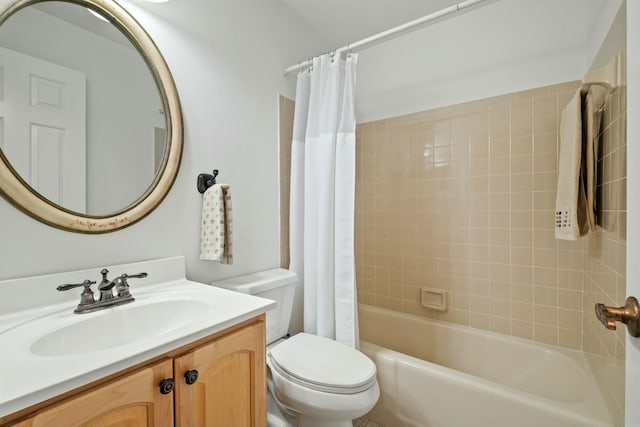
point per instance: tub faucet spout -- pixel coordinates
(629, 315)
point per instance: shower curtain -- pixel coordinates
(322, 197)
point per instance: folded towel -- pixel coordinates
(216, 236)
(566, 213)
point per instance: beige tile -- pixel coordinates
(499, 165)
(522, 311)
(480, 320)
(545, 315)
(543, 223)
(499, 146)
(521, 238)
(545, 123)
(499, 219)
(545, 162)
(544, 200)
(545, 334)
(547, 258)
(545, 296)
(500, 254)
(521, 274)
(479, 184)
(521, 256)
(500, 273)
(544, 238)
(521, 145)
(522, 329)
(521, 126)
(522, 219)
(499, 236)
(545, 143)
(479, 167)
(570, 339)
(499, 184)
(570, 280)
(479, 150)
(522, 164)
(501, 325)
(545, 276)
(499, 201)
(521, 182)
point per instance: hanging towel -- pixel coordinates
(575, 212)
(568, 192)
(216, 238)
(592, 114)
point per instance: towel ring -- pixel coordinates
(206, 180)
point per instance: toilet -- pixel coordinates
(312, 380)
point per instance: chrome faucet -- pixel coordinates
(107, 297)
(105, 287)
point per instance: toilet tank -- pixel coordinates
(277, 284)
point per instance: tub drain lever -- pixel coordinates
(629, 315)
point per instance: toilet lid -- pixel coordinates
(323, 364)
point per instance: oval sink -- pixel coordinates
(118, 326)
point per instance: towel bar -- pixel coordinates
(206, 180)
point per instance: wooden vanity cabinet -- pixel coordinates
(230, 389)
(133, 400)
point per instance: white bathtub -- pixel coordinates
(438, 374)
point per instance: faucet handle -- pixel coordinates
(86, 297)
(87, 285)
(122, 286)
(134, 276)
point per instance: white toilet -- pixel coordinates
(312, 381)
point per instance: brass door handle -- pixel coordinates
(629, 315)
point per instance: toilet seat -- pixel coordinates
(322, 364)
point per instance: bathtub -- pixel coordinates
(437, 374)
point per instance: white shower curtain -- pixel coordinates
(322, 197)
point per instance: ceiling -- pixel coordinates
(340, 22)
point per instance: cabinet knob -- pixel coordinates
(167, 385)
(191, 376)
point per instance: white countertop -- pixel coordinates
(27, 378)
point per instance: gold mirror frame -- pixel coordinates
(25, 198)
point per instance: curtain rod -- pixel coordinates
(400, 28)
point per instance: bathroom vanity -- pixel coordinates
(182, 353)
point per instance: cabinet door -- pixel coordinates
(230, 390)
(132, 401)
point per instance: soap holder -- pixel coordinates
(435, 299)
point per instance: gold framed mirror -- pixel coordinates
(31, 195)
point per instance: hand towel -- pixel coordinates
(216, 238)
(568, 190)
(575, 213)
(592, 114)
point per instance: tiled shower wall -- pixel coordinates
(285, 111)
(462, 198)
(605, 272)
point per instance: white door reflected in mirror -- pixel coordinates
(43, 112)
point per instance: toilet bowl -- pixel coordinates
(323, 382)
(312, 381)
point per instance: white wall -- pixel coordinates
(226, 57)
(502, 47)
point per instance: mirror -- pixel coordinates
(90, 121)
